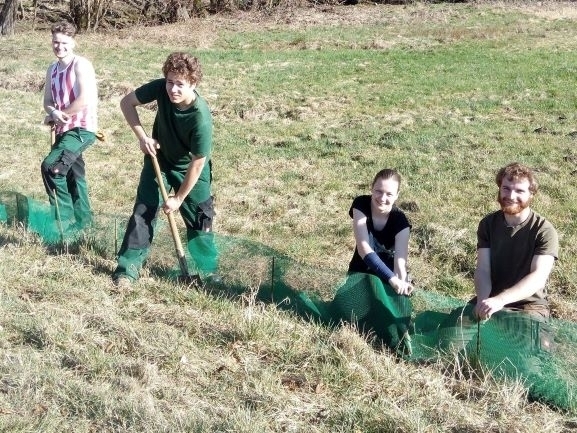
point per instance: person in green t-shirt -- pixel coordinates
(516, 249)
(181, 140)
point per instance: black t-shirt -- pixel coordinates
(381, 241)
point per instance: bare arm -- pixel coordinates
(192, 174)
(86, 80)
(401, 253)
(361, 233)
(482, 276)
(541, 267)
(482, 279)
(128, 106)
(48, 101)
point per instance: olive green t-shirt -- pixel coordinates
(513, 248)
(180, 133)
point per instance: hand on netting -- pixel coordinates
(487, 307)
(400, 286)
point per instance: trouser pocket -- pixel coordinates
(63, 163)
(206, 214)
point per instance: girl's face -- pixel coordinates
(384, 194)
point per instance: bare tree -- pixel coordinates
(8, 17)
(87, 14)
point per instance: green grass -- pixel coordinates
(307, 109)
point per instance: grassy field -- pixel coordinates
(308, 105)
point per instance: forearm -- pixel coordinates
(190, 179)
(398, 283)
(525, 288)
(374, 263)
(49, 104)
(482, 285)
(139, 132)
(75, 107)
(79, 104)
(133, 120)
(401, 253)
(401, 268)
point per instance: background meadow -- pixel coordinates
(308, 105)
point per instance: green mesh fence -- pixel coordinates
(37, 217)
(427, 327)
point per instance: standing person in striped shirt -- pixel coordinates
(70, 100)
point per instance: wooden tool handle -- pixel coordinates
(171, 221)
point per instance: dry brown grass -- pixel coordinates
(79, 356)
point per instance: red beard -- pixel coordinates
(513, 208)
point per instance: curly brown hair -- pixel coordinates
(65, 28)
(516, 171)
(183, 65)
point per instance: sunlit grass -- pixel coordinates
(307, 109)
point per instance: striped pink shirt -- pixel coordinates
(65, 89)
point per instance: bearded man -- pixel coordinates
(516, 250)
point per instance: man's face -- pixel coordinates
(62, 45)
(514, 195)
(180, 90)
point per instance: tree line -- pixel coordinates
(91, 15)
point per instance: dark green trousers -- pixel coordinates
(64, 176)
(197, 211)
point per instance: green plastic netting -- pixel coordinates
(427, 327)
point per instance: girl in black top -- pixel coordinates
(382, 233)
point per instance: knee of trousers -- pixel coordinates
(49, 179)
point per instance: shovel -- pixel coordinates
(185, 276)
